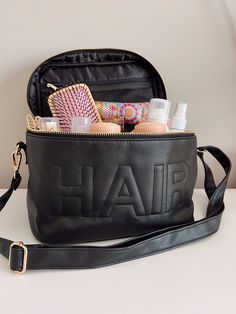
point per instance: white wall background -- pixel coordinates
(192, 43)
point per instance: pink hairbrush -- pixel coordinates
(72, 101)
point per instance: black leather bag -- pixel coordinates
(88, 188)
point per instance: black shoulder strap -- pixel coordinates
(40, 256)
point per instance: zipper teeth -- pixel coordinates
(145, 82)
(76, 64)
(124, 134)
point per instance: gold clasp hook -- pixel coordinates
(16, 160)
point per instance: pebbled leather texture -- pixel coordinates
(42, 256)
(87, 189)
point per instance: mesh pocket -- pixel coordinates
(123, 95)
(127, 91)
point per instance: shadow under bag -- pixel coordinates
(90, 187)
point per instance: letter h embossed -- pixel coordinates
(73, 195)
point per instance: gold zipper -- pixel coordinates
(128, 134)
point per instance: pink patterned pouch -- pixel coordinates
(132, 113)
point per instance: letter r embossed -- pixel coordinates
(177, 177)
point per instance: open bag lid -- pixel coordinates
(112, 75)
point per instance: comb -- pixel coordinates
(33, 123)
(72, 101)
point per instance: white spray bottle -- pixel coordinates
(179, 121)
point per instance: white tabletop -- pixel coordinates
(198, 278)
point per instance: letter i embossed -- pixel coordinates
(157, 189)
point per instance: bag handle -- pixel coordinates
(42, 256)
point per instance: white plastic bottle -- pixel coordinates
(158, 111)
(178, 123)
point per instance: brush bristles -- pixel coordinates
(73, 101)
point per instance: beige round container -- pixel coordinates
(150, 127)
(105, 127)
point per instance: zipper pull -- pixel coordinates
(49, 85)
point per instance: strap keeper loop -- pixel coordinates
(24, 259)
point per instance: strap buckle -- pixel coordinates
(25, 256)
(16, 160)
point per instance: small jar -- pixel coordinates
(105, 127)
(150, 127)
(80, 124)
